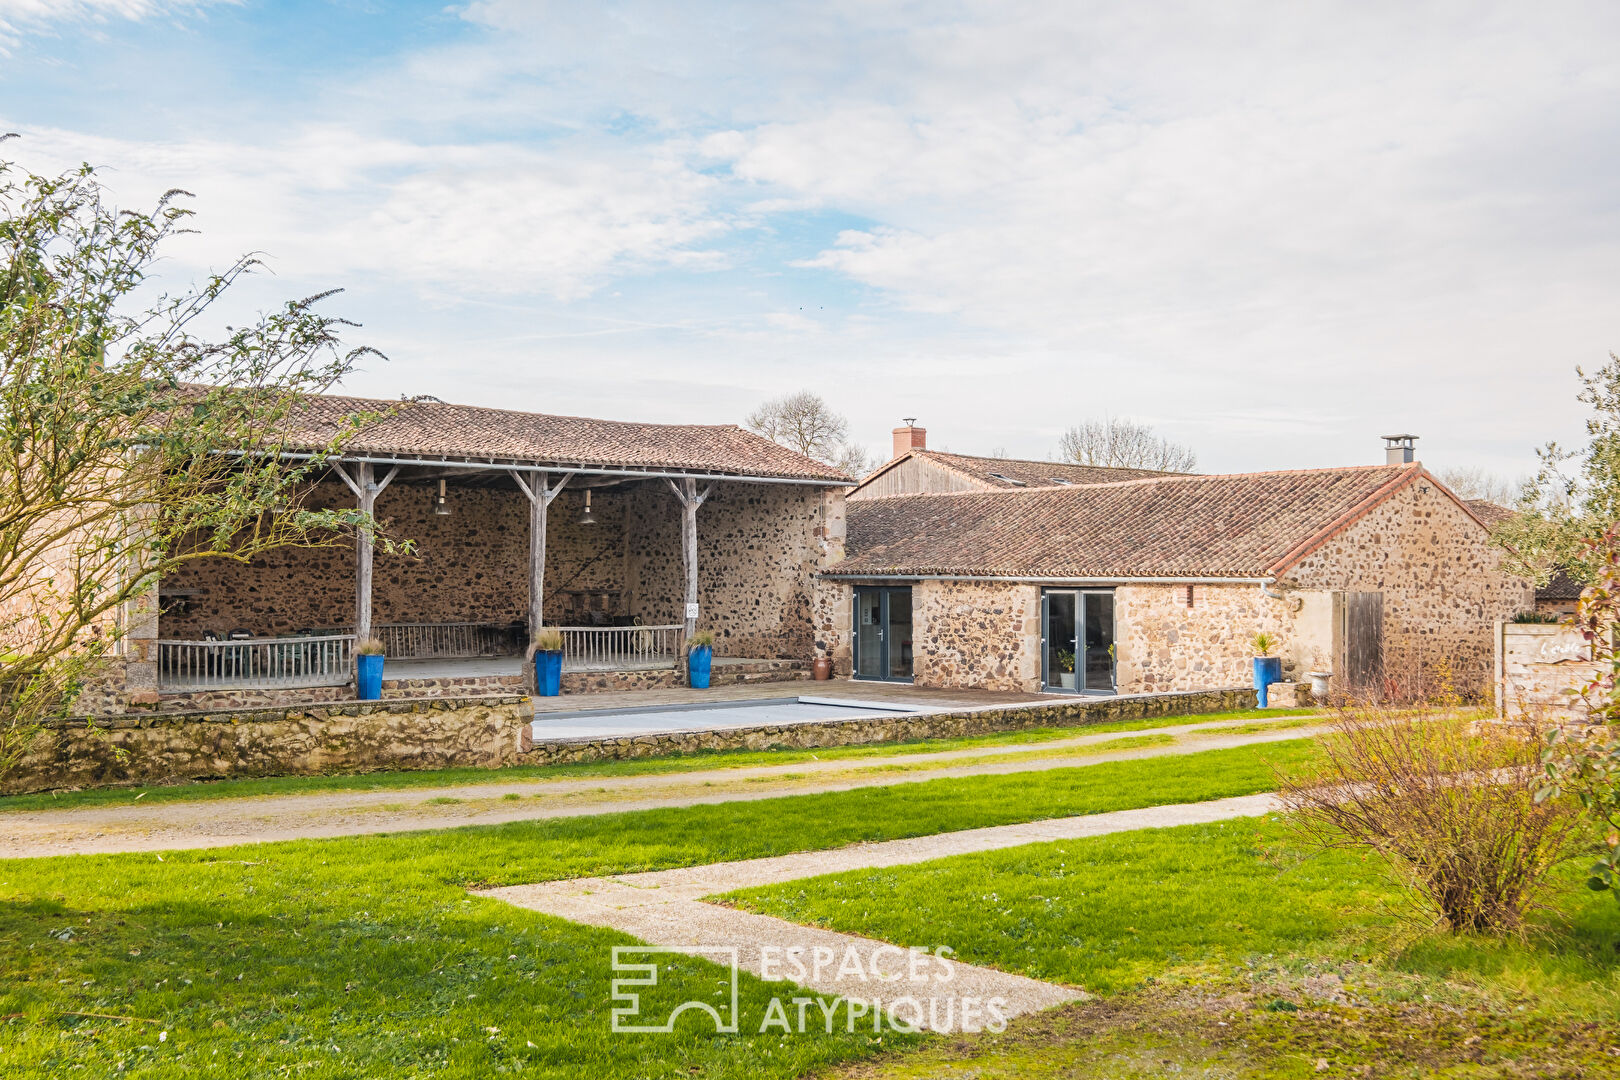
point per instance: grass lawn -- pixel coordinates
(364, 957)
(385, 781)
(1225, 947)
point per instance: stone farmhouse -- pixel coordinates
(1037, 577)
(941, 569)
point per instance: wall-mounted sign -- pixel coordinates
(691, 611)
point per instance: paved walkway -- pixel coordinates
(220, 822)
(666, 908)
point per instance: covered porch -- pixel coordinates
(626, 559)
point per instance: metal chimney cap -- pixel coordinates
(1399, 438)
(911, 421)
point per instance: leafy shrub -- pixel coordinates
(1263, 643)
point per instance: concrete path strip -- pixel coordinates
(314, 815)
(666, 908)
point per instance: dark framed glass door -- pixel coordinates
(883, 633)
(1077, 641)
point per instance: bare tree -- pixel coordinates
(1473, 482)
(1124, 443)
(804, 422)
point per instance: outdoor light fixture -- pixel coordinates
(587, 518)
(441, 506)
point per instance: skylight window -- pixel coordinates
(1007, 479)
(1060, 480)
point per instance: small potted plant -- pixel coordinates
(368, 669)
(1063, 660)
(1267, 668)
(547, 650)
(699, 659)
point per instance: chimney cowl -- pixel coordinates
(1399, 449)
(910, 437)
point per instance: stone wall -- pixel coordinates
(972, 634)
(759, 547)
(1443, 587)
(351, 737)
(1162, 644)
(1075, 712)
(1537, 665)
(471, 566)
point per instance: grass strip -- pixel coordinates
(364, 957)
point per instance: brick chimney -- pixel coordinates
(910, 437)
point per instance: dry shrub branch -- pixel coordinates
(1448, 804)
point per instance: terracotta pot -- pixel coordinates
(822, 668)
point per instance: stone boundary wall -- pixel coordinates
(879, 729)
(1536, 663)
(345, 737)
(488, 732)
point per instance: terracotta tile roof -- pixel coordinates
(436, 429)
(1489, 513)
(1242, 525)
(995, 473)
(998, 473)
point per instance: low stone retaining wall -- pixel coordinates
(343, 737)
(879, 729)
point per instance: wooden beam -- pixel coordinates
(536, 487)
(687, 493)
(367, 487)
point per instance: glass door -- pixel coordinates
(883, 634)
(1077, 641)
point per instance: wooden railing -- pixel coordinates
(426, 641)
(620, 648)
(256, 663)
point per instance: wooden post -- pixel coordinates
(535, 489)
(366, 488)
(687, 492)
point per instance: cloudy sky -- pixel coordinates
(1273, 230)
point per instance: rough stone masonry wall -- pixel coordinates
(973, 634)
(759, 547)
(1443, 587)
(1162, 644)
(471, 566)
(311, 740)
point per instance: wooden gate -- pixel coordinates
(1359, 626)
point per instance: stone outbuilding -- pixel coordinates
(1379, 574)
(625, 536)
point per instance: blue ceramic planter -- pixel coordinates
(1267, 670)
(699, 663)
(368, 676)
(548, 673)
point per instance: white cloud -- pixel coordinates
(455, 221)
(1273, 229)
(21, 17)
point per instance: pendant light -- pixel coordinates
(441, 505)
(587, 518)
